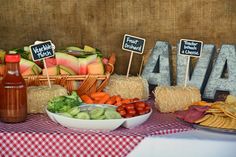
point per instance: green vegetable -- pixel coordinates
(64, 103)
(64, 108)
(74, 111)
(101, 117)
(112, 114)
(66, 114)
(110, 109)
(22, 53)
(96, 112)
(82, 115)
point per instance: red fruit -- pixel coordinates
(129, 106)
(105, 61)
(140, 104)
(128, 115)
(50, 62)
(131, 112)
(122, 112)
(141, 112)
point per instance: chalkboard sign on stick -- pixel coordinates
(191, 48)
(42, 50)
(133, 44)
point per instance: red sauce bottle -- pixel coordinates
(13, 98)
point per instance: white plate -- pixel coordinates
(97, 125)
(136, 121)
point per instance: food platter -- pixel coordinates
(97, 125)
(207, 128)
(220, 130)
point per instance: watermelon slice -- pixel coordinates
(26, 64)
(66, 71)
(68, 61)
(28, 71)
(82, 66)
(31, 71)
(52, 71)
(50, 62)
(78, 65)
(83, 63)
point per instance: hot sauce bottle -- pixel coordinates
(13, 99)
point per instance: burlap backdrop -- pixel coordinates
(102, 23)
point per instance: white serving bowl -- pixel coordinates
(136, 121)
(97, 125)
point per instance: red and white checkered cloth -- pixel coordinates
(40, 137)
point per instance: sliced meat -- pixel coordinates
(181, 114)
(192, 116)
(200, 108)
(193, 113)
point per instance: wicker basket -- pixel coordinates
(88, 83)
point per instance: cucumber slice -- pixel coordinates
(110, 109)
(65, 114)
(100, 117)
(82, 115)
(74, 111)
(112, 115)
(96, 112)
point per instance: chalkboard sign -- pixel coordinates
(133, 44)
(191, 48)
(42, 50)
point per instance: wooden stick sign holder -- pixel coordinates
(189, 48)
(130, 61)
(134, 45)
(40, 51)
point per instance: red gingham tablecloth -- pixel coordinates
(39, 137)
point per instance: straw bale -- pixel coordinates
(128, 87)
(174, 98)
(38, 97)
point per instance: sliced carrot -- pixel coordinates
(118, 101)
(104, 99)
(98, 98)
(125, 101)
(98, 94)
(111, 100)
(85, 98)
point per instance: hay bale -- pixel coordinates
(38, 97)
(131, 87)
(174, 98)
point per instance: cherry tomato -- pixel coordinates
(140, 108)
(119, 108)
(122, 112)
(147, 107)
(129, 106)
(123, 105)
(131, 111)
(140, 104)
(128, 115)
(135, 99)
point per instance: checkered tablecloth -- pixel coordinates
(40, 137)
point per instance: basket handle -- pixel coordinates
(87, 84)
